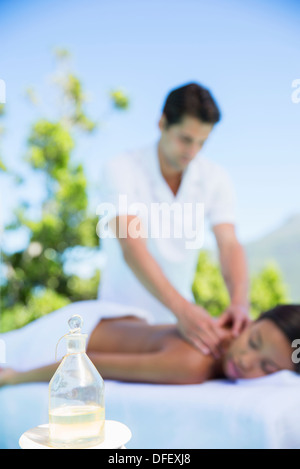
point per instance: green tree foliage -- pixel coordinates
(208, 288)
(120, 100)
(267, 288)
(36, 282)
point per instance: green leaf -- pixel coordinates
(119, 99)
(2, 166)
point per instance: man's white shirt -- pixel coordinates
(132, 184)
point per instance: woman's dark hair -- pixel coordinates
(287, 318)
(191, 100)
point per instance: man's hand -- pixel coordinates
(236, 317)
(235, 273)
(201, 330)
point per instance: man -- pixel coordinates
(153, 268)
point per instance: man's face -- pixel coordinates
(181, 142)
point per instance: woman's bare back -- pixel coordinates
(130, 334)
(134, 337)
(129, 349)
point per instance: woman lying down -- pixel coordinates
(124, 346)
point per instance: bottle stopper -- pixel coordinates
(75, 323)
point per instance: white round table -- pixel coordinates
(116, 436)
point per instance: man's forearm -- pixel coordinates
(149, 273)
(235, 273)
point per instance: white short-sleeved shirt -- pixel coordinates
(132, 183)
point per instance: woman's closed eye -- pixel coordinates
(253, 344)
(267, 366)
(255, 340)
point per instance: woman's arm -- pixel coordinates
(162, 367)
(10, 377)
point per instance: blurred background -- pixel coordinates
(87, 80)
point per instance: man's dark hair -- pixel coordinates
(191, 100)
(287, 318)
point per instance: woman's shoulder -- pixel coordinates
(192, 365)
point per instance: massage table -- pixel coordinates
(262, 413)
(258, 413)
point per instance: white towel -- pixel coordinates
(261, 413)
(258, 413)
(34, 345)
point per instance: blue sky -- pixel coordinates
(246, 52)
